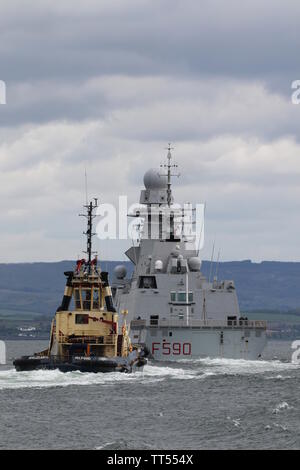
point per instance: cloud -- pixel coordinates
(249, 39)
(250, 186)
(105, 85)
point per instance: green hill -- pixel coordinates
(37, 288)
(31, 292)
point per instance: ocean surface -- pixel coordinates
(195, 404)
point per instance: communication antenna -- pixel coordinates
(201, 231)
(90, 215)
(134, 253)
(204, 308)
(169, 165)
(211, 261)
(86, 186)
(138, 232)
(217, 266)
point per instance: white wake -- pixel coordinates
(184, 370)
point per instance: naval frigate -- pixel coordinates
(174, 310)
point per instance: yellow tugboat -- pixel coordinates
(87, 336)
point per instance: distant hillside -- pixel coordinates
(38, 287)
(270, 285)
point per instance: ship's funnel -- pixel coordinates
(67, 293)
(107, 292)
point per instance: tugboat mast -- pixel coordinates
(90, 208)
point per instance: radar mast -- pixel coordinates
(90, 215)
(168, 165)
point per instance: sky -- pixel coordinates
(105, 85)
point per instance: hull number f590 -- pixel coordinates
(174, 349)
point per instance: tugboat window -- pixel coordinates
(77, 299)
(86, 297)
(96, 298)
(81, 319)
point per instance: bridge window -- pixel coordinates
(180, 297)
(96, 299)
(77, 299)
(147, 282)
(86, 299)
(81, 319)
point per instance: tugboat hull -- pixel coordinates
(27, 363)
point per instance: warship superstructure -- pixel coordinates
(174, 309)
(85, 332)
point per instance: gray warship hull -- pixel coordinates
(173, 343)
(209, 324)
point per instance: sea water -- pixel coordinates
(192, 404)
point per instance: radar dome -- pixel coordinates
(194, 263)
(154, 180)
(158, 265)
(120, 271)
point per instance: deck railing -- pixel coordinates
(98, 340)
(195, 323)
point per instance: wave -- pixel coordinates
(163, 371)
(182, 370)
(11, 379)
(241, 366)
(114, 445)
(280, 377)
(123, 444)
(282, 407)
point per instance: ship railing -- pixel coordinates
(99, 340)
(195, 323)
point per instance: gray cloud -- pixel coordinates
(252, 39)
(105, 85)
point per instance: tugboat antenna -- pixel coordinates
(169, 174)
(90, 208)
(86, 186)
